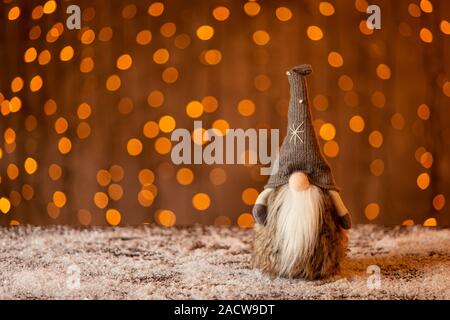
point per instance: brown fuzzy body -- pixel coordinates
(323, 261)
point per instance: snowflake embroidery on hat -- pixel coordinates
(295, 133)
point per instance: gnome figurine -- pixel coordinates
(300, 217)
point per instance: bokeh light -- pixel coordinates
(377, 167)
(144, 37)
(113, 217)
(261, 37)
(218, 176)
(246, 107)
(376, 139)
(383, 71)
(185, 176)
(205, 32)
(439, 202)
(327, 131)
(166, 218)
(163, 145)
(357, 124)
(426, 35)
(194, 109)
(113, 83)
(314, 33)
(245, 220)
(221, 13)
(167, 123)
(372, 211)
(124, 62)
(283, 14)
(59, 199)
(326, 8)
(430, 222)
(156, 9)
(14, 13)
(151, 129)
(335, 59)
(331, 149)
(101, 200)
(146, 177)
(168, 29)
(201, 201)
(134, 147)
(249, 196)
(252, 8)
(423, 181)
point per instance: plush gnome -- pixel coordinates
(300, 217)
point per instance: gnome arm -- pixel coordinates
(260, 208)
(344, 216)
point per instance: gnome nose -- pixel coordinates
(298, 181)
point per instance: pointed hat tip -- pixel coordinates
(303, 69)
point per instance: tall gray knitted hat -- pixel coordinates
(300, 150)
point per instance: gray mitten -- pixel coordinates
(260, 208)
(346, 221)
(260, 213)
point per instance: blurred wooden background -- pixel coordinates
(86, 114)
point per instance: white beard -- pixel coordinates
(297, 226)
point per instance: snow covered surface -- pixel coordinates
(211, 263)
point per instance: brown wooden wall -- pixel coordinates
(394, 80)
